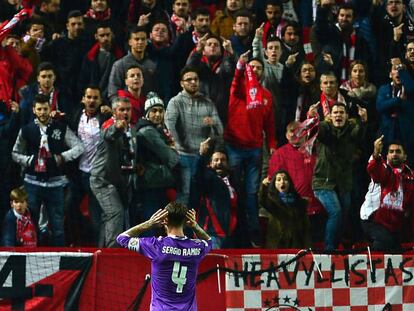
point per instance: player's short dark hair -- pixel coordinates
(176, 213)
(200, 11)
(41, 99)
(188, 69)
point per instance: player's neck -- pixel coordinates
(175, 231)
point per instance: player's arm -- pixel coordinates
(192, 223)
(156, 220)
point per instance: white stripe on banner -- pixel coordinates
(38, 265)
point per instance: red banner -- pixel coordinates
(232, 280)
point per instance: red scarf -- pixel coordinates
(178, 29)
(25, 231)
(348, 56)
(7, 26)
(99, 16)
(254, 91)
(304, 136)
(328, 103)
(213, 217)
(268, 27)
(307, 46)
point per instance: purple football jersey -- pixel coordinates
(174, 264)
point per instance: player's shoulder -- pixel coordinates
(201, 242)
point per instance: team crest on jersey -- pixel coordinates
(253, 93)
(56, 134)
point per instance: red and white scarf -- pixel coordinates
(254, 91)
(348, 55)
(99, 16)
(7, 26)
(25, 230)
(327, 103)
(44, 152)
(176, 20)
(267, 27)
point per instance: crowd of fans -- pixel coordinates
(268, 117)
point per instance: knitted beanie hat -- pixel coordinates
(152, 101)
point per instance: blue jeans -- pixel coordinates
(336, 207)
(53, 200)
(188, 168)
(247, 163)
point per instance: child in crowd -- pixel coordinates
(18, 226)
(285, 210)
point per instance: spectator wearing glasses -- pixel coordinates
(191, 118)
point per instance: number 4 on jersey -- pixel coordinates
(179, 276)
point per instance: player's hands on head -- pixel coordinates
(191, 218)
(159, 218)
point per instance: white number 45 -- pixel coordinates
(179, 276)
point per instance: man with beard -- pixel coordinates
(340, 44)
(274, 22)
(215, 63)
(332, 176)
(409, 58)
(395, 106)
(85, 121)
(187, 41)
(180, 20)
(42, 148)
(216, 199)
(386, 224)
(390, 27)
(97, 63)
(48, 11)
(293, 53)
(66, 53)
(59, 97)
(241, 40)
(191, 118)
(98, 13)
(250, 120)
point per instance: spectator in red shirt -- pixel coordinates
(250, 114)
